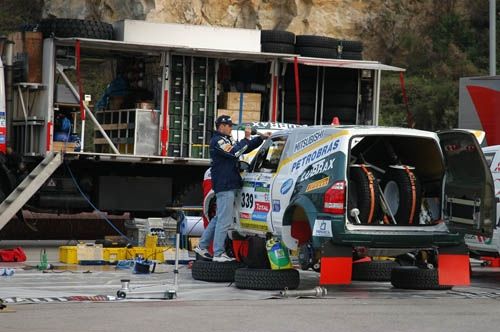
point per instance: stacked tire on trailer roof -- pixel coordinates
(316, 46)
(66, 28)
(277, 41)
(350, 49)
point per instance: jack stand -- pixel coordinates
(160, 292)
(490, 261)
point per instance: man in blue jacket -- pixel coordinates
(226, 179)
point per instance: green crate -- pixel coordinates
(174, 150)
(178, 65)
(200, 92)
(198, 122)
(176, 107)
(200, 110)
(200, 65)
(175, 136)
(178, 121)
(198, 149)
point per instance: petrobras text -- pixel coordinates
(316, 154)
(302, 144)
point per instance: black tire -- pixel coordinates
(214, 271)
(350, 46)
(264, 279)
(316, 42)
(277, 48)
(399, 179)
(373, 271)
(413, 277)
(316, 52)
(361, 197)
(277, 36)
(65, 28)
(351, 55)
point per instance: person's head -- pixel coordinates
(224, 124)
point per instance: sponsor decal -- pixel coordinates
(309, 140)
(317, 168)
(245, 215)
(273, 125)
(259, 216)
(316, 154)
(256, 225)
(317, 184)
(248, 184)
(286, 186)
(276, 205)
(262, 206)
(2, 139)
(262, 187)
(3, 122)
(322, 228)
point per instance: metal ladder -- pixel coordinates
(28, 187)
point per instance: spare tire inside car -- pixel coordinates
(402, 192)
(363, 195)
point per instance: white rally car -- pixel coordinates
(481, 245)
(387, 190)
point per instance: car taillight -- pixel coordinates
(334, 198)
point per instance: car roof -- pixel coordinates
(355, 130)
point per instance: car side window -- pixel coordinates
(269, 156)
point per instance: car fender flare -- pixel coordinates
(311, 212)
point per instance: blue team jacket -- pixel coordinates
(225, 152)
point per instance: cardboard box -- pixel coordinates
(63, 146)
(231, 101)
(247, 116)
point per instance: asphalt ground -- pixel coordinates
(202, 306)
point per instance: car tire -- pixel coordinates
(351, 55)
(277, 36)
(277, 48)
(402, 197)
(413, 277)
(266, 279)
(362, 196)
(66, 27)
(377, 270)
(316, 42)
(214, 271)
(316, 52)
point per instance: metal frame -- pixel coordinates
(376, 97)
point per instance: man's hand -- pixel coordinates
(248, 132)
(265, 135)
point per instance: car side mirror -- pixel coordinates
(243, 166)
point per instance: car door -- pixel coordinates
(255, 195)
(468, 190)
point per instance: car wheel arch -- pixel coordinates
(298, 222)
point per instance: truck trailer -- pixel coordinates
(143, 146)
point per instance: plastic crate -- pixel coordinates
(112, 255)
(67, 255)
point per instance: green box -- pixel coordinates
(197, 151)
(175, 136)
(200, 110)
(178, 121)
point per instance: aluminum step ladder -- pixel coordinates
(28, 187)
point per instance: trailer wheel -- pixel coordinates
(316, 42)
(277, 36)
(363, 195)
(316, 52)
(265, 279)
(377, 270)
(277, 48)
(214, 271)
(66, 27)
(413, 277)
(403, 194)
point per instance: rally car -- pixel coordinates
(334, 191)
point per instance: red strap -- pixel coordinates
(164, 130)
(409, 116)
(411, 176)
(369, 175)
(79, 79)
(297, 86)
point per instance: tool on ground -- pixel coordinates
(165, 291)
(44, 262)
(317, 291)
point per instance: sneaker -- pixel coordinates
(223, 258)
(202, 252)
